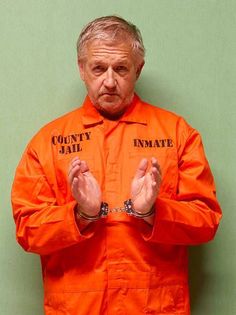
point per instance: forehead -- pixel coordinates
(105, 51)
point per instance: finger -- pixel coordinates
(84, 167)
(155, 173)
(74, 159)
(77, 187)
(142, 168)
(74, 162)
(151, 188)
(73, 172)
(74, 189)
(155, 169)
(156, 177)
(155, 164)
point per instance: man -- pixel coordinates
(111, 194)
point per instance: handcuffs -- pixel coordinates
(105, 210)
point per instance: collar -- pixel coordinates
(133, 114)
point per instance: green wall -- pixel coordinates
(190, 69)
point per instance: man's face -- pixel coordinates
(110, 72)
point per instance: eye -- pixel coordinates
(121, 69)
(98, 69)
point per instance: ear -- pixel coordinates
(81, 66)
(139, 69)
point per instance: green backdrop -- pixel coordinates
(190, 69)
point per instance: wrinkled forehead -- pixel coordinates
(100, 48)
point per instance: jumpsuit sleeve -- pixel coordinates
(42, 226)
(193, 215)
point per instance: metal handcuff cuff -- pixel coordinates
(104, 211)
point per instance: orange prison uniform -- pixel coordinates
(119, 264)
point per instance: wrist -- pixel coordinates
(86, 217)
(131, 209)
(150, 219)
(81, 223)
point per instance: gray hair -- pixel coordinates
(111, 28)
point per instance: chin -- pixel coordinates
(110, 104)
(109, 100)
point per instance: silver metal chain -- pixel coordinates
(116, 209)
(127, 208)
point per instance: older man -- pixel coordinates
(111, 194)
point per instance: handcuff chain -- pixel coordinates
(105, 210)
(116, 209)
(128, 209)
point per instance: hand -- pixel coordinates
(84, 187)
(145, 185)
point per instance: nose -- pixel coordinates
(110, 80)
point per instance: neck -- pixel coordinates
(113, 116)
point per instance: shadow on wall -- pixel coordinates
(198, 279)
(154, 89)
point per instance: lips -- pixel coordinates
(108, 94)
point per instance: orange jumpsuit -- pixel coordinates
(121, 264)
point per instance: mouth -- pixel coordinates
(108, 94)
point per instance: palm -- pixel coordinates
(84, 187)
(88, 192)
(141, 193)
(145, 186)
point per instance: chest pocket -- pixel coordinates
(167, 159)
